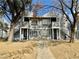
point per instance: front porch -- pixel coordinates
(50, 34)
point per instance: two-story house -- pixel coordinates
(47, 26)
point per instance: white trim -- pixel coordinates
(59, 33)
(27, 35)
(20, 34)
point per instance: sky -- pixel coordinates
(47, 2)
(41, 11)
(44, 2)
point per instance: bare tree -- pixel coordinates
(70, 8)
(14, 10)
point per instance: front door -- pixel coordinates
(56, 33)
(25, 33)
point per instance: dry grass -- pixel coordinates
(65, 50)
(27, 50)
(17, 50)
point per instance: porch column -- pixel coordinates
(27, 35)
(52, 34)
(59, 33)
(20, 34)
(76, 33)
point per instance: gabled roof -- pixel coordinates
(50, 14)
(39, 18)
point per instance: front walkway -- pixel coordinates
(43, 51)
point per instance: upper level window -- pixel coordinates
(26, 19)
(53, 19)
(34, 23)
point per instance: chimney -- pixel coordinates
(34, 13)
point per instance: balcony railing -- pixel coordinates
(55, 24)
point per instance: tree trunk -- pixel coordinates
(72, 34)
(11, 33)
(1, 33)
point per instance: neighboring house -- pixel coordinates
(77, 30)
(3, 31)
(65, 27)
(48, 26)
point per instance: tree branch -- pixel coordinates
(64, 11)
(8, 17)
(76, 9)
(64, 4)
(72, 2)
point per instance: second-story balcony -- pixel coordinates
(39, 27)
(25, 24)
(33, 26)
